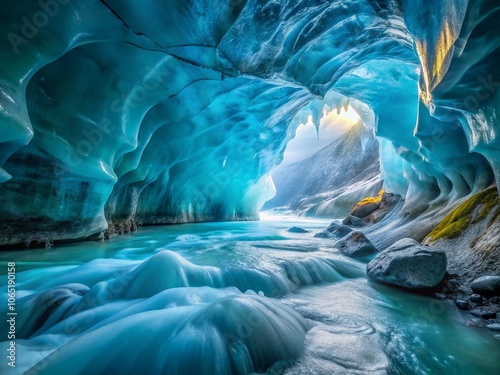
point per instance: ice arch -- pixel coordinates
(118, 112)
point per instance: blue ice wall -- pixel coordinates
(114, 113)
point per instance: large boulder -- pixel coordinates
(373, 209)
(488, 286)
(409, 264)
(353, 221)
(323, 234)
(365, 210)
(356, 245)
(335, 231)
(388, 202)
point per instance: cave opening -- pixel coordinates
(310, 138)
(322, 162)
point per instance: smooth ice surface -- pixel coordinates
(114, 112)
(229, 298)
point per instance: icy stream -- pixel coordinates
(227, 298)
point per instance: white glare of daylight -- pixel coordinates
(308, 140)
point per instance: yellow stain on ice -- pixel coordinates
(443, 47)
(434, 63)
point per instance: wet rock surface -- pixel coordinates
(356, 245)
(353, 221)
(487, 286)
(334, 231)
(484, 311)
(409, 265)
(365, 210)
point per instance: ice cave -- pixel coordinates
(219, 187)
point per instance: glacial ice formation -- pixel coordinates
(220, 320)
(114, 113)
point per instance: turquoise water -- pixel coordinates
(223, 298)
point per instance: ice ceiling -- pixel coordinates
(121, 111)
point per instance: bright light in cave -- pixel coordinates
(346, 116)
(308, 140)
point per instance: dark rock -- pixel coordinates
(338, 230)
(448, 285)
(462, 304)
(453, 285)
(323, 234)
(96, 237)
(410, 265)
(133, 226)
(440, 296)
(488, 314)
(484, 313)
(387, 204)
(389, 201)
(488, 286)
(297, 230)
(353, 221)
(335, 231)
(356, 245)
(476, 298)
(365, 209)
(494, 327)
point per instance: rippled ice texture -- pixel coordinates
(228, 298)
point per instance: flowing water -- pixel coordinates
(227, 298)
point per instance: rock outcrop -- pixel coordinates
(356, 245)
(409, 264)
(334, 231)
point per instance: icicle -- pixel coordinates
(344, 104)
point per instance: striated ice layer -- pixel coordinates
(117, 113)
(459, 51)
